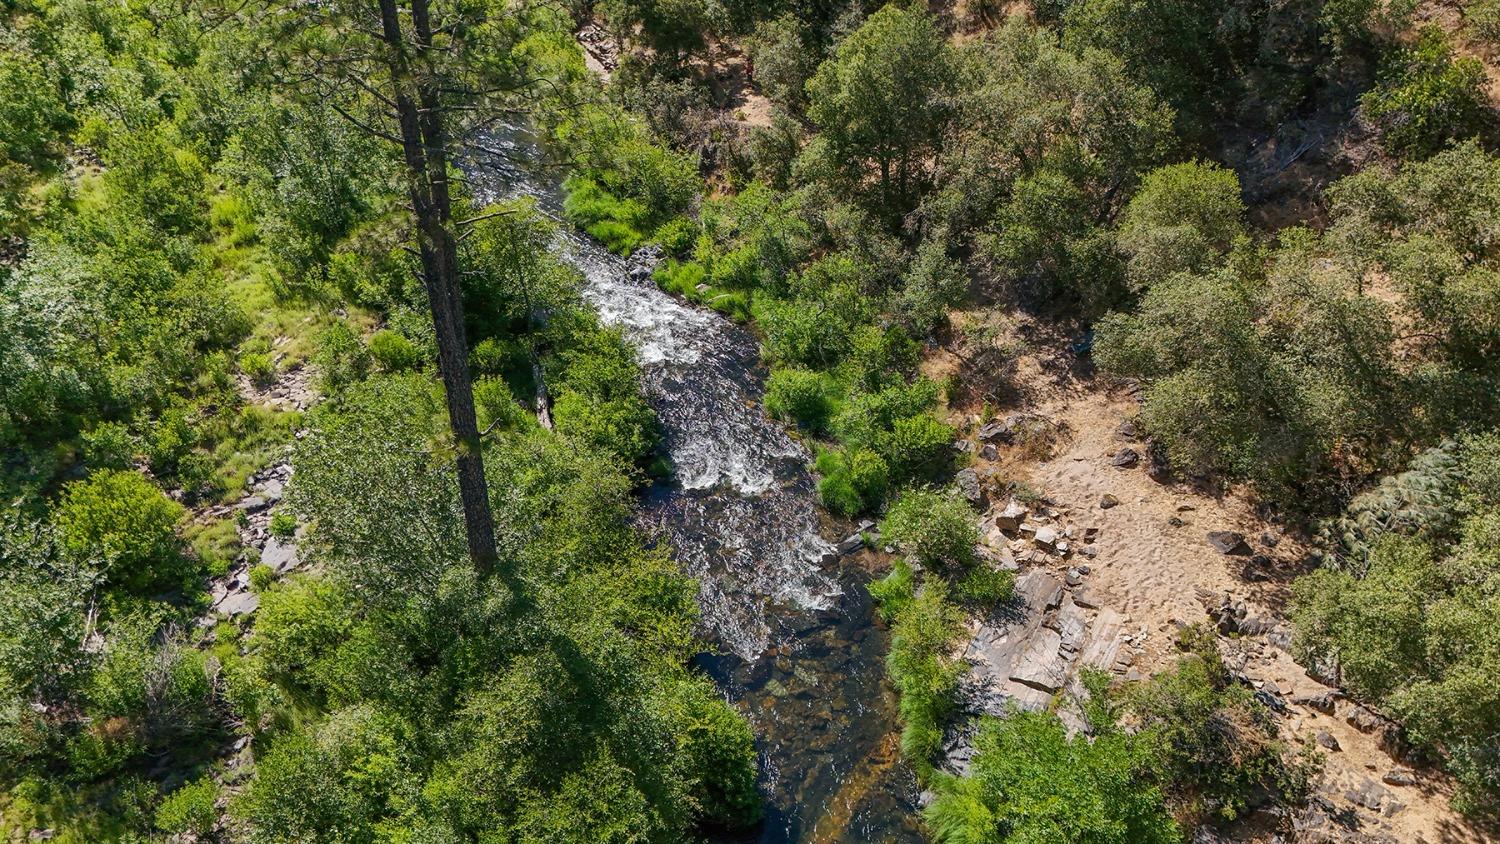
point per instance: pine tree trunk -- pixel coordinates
(424, 146)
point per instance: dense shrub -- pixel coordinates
(122, 518)
(1035, 782)
(936, 528)
(393, 352)
(1426, 96)
(784, 59)
(1409, 626)
(797, 395)
(1183, 219)
(341, 357)
(615, 222)
(854, 481)
(190, 809)
(920, 664)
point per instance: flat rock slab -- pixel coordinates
(1040, 591)
(279, 555)
(240, 603)
(1071, 626)
(1228, 542)
(1040, 665)
(1011, 517)
(1105, 642)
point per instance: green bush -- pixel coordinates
(1217, 747)
(283, 525)
(341, 357)
(1035, 781)
(681, 277)
(854, 480)
(838, 495)
(986, 586)
(620, 238)
(800, 396)
(895, 592)
(124, 520)
(735, 305)
(935, 283)
(1482, 17)
(261, 578)
(923, 670)
(393, 352)
(936, 528)
(676, 237)
(258, 368)
(297, 628)
(916, 446)
(1426, 96)
(717, 755)
(613, 221)
(1184, 218)
(109, 445)
(189, 809)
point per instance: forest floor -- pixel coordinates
(1155, 567)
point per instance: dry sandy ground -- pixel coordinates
(1154, 562)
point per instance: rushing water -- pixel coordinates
(797, 647)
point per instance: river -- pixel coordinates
(795, 642)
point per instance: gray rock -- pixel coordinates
(1046, 537)
(1228, 542)
(1399, 776)
(1323, 702)
(240, 603)
(1107, 501)
(1327, 740)
(1126, 458)
(991, 432)
(968, 484)
(1040, 666)
(1364, 720)
(1010, 518)
(1157, 468)
(1368, 795)
(281, 556)
(1128, 431)
(1039, 591)
(989, 452)
(252, 504)
(1071, 626)
(851, 543)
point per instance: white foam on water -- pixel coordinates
(745, 520)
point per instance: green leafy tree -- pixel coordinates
(881, 104)
(1411, 630)
(784, 60)
(1183, 218)
(1047, 145)
(1426, 96)
(1183, 49)
(32, 110)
